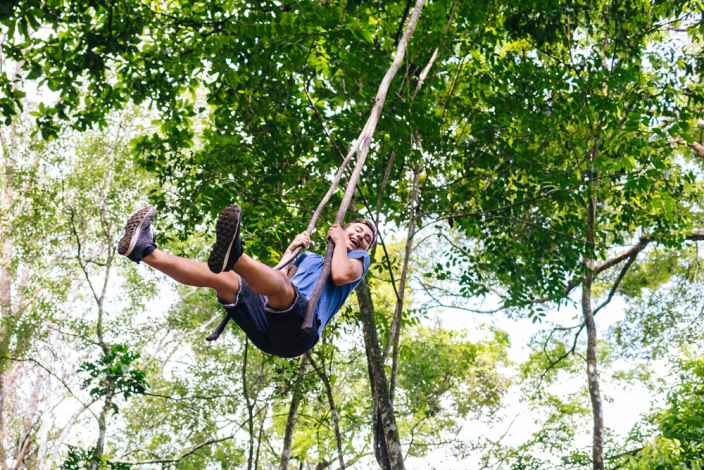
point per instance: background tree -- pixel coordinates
(564, 150)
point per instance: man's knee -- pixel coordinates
(228, 288)
(287, 287)
(286, 295)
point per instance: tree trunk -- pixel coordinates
(24, 452)
(380, 450)
(5, 296)
(102, 431)
(296, 397)
(380, 387)
(592, 373)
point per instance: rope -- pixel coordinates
(362, 150)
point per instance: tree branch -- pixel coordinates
(617, 283)
(696, 234)
(183, 456)
(632, 251)
(53, 374)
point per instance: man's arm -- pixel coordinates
(302, 239)
(343, 269)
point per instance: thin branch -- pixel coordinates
(343, 166)
(439, 304)
(695, 235)
(632, 251)
(624, 454)
(53, 374)
(617, 283)
(333, 408)
(79, 254)
(452, 87)
(384, 182)
(563, 356)
(612, 292)
(364, 141)
(426, 70)
(395, 330)
(188, 398)
(698, 148)
(183, 456)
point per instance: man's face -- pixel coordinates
(359, 236)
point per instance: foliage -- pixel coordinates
(679, 443)
(659, 322)
(82, 459)
(683, 419)
(549, 121)
(113, 373)
(437, 365)
(552, 445)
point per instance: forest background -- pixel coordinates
(535, 174)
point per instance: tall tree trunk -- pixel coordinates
(380, 387)
(99, 297)
(380, 451)
(296, 397)
(592, 373)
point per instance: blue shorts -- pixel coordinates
(276, 332)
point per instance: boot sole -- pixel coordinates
(226, 232)
(133, 228)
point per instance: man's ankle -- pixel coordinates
(241, 261)
(151, 257)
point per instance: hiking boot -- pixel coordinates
(228, 245)
(138, 240)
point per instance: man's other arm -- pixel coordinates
(343, 269)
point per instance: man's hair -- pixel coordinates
(369, 224)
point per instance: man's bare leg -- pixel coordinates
(195, 273)
(261, 278)
(138, 244)
(266, 281)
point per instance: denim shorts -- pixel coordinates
(276, 332)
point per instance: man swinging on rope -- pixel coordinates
(266, 305)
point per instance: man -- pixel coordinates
(264, 302)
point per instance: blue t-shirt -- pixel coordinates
(332, 297)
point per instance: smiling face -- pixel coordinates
(359, 236)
